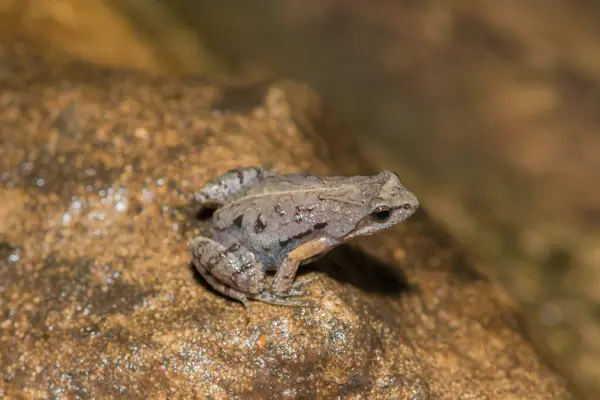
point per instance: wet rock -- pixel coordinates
(98, 298)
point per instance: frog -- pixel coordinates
(266, 222)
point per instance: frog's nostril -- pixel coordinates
(407, 206)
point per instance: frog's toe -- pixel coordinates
(281, 300)
(303, 282)
(294, 292)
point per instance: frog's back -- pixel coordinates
(284, 199)
(305, 183)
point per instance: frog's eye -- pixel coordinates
(381, 213)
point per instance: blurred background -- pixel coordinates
(488, 110)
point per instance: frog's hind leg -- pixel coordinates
(225, 186)
(232, 271)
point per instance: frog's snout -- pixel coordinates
(410, 204)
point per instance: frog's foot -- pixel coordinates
(227, 291)
(281, 300)
(295, 290)
(303, 282)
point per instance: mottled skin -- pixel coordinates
(270, 222)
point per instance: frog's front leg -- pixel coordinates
(227, 185)
(283, 283)
(232, 271)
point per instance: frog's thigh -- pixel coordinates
(232, 266)
(284, 278)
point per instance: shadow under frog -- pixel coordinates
(265, 222)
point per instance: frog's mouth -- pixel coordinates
(363, 228)
(356, 233)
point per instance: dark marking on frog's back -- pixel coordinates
(319, 226)
(260, 224)
(238, 220)
(303, 212)
(240, 176)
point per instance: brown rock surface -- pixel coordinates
(98, 299)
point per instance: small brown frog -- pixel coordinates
(269, 222)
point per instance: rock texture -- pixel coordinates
(98, 298)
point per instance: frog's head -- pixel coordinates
(389, 204)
